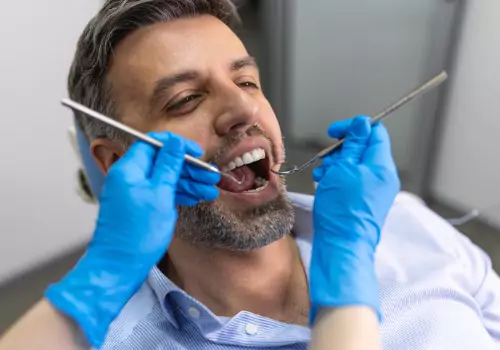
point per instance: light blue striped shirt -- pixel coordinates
(438, 292)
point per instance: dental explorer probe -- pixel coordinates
(430, 85)
(148, 139)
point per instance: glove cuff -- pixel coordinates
(93, 327)
(94, 297)
(343, 274)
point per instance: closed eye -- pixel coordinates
(248, 84)
(180, 103)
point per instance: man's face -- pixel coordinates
(195, 78)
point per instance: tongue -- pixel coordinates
(244, 174)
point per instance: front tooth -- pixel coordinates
(256, 155)
(239, 162)
(231, 166)
(248, 158)
(262, 153)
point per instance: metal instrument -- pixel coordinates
(430, 85)
(93, 114)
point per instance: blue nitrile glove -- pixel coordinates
(136, 221)
(357, 186)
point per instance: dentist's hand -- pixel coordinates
(357, 186)
(135, 225)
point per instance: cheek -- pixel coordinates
(271, 126)
(198, 132)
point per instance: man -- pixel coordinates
(234, 277)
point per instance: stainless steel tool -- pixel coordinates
(430, 85)
(93, 114)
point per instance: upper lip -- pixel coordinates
(248, 144)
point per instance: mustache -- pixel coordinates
(231, 140)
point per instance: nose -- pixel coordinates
(239, 112)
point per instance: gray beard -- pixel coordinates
(214, 225)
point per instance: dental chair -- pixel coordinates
(89, 178)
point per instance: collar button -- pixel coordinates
(251, 329)
(194, 313)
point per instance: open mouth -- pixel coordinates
(252, 171)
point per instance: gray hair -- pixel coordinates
(87, 81)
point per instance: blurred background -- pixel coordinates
(321, 60)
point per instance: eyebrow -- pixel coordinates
(244, 62)
(166, 83)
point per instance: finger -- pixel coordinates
(199, 174)
(136, 164)
(207, 193)
(185, 200)
(327, 162)
(194, 171)
(318, 173)
(193, 149)
(378, 152)
(331, 159)
(356, 140)
(169, 159)
(338, 129)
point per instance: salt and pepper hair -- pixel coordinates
(87, 81)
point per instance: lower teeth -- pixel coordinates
(260, 184)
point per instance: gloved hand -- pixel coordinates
(136, 222)
(357, 186)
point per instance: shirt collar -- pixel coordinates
(162, 287)
(302, 204)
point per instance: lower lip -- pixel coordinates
(268, 193)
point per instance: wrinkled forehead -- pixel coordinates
(202, 43)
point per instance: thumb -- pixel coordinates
(169, 160)
(356, 140)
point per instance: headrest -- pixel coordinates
(94, 175)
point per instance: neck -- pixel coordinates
(269, 281)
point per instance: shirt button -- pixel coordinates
(194, 312)
(251, 329)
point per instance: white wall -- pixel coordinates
(357, 57)
(41, 216)
(468, 168)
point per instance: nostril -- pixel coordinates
(231, 125)
(240, 113)
(240, 128)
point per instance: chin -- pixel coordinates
(239, 222)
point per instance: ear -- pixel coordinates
(105, 153)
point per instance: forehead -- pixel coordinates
(184, 44)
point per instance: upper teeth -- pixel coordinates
(245, 159)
